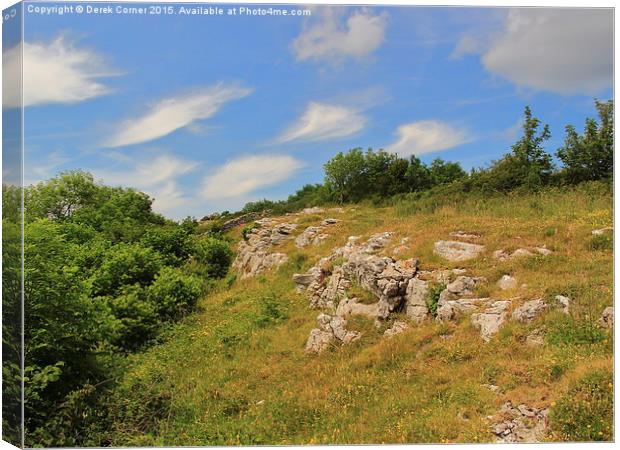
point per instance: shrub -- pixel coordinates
(172, 242)
(433, 297)
(214, 254)
(173, 294)
(585, 412)
(601, 242)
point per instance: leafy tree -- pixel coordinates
(442, 172)
(386, 173)
(418, 176)
(590, 156)
(346, 175)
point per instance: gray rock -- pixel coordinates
(396, 328)
(535, 339)
(602, 231)
(319, 340)
(507, 282)
(453, 309)
(522, 424)
(457, 251)
(503, 255)
(564, 303)
(464, 235)
(607, 318)
(529, 311)
(491, 320)
(415, 302)
(462, 286)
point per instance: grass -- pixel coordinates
(236, 372)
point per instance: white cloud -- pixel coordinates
(171, 114)
(156, 177)
(44, 168)
(427, 136)
(247, 174)
(54, 72)
(329, 39)
(322, 121)
(560, 50)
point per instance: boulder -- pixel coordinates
(607, 318)
(564, 303)
(318, 340)
(535, 339)
(415, 300)
(457, 251)
(523, 424)
(507, 282)
(491, 320)
(462, 286)
(453, 309)
(529, 311)
(351, 307)
(602, 231)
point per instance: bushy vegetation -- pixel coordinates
(104, 274)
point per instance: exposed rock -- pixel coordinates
(396, 328)
(503, 255)
(529, 311)
(232, 223)
(507, 282)
(520, 424)
(314, 235)
(463, 286)
(535, 339)
(330, 328)
(254, 254)
(415, 303)
(493, 388)
(602, 231)
(490, 321)
(453, 309)
(564, 303)
(313, 210)
(351, 307)
(318, 340)
(457, 251)
(607, 318)
(464, 235)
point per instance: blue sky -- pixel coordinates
(206, 113)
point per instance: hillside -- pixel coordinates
(478, 350)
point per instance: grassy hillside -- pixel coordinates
(236, 371)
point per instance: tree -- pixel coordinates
(346, 175)
(386, 173)
(442, 172)
(590, 156)
(418, 175)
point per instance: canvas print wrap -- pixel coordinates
(257, 224)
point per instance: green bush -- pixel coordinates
(172, 242)
(214, 254)
(432, 300)
(585, 412)
(173, 293)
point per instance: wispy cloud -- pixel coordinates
(248, 174)
(158, 177)
(53, 72)
(330, 39)
(174, 113)
(427, 136)
(322, 121)
(44, 168)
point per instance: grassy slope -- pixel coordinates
(236, 372)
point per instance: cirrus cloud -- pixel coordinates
(248, 174)
(329, 39)
(427, 136)
(171, 114)
(322, 121)
(53, 72)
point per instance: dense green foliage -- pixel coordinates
(103, 275)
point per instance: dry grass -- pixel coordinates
(237, 372)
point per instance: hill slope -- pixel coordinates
(237, 371)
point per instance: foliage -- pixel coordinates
(432, 300)
(214, 254)
(585, 412)
(590, 156)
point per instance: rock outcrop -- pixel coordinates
(254, 253)
(457, 251)
(491, 320)
(314, 235)
(520, 424)
(503, 255)
(397, 327)
(507, 282)
(529, 311)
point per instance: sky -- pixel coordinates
(206, 113)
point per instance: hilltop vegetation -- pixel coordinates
(138, 333)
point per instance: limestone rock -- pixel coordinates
(535, 339)
(602, 231)
(491, 320)
(415, 302)
(351, 307)
(520, 424)
(529, 311)
(313, 210)
(462, 286)
(318, 340)
(503, 255)
(607, 318)
(564, 303)
(457, 251)
(464, 235)
(397, 327)
(453, 309)
(507, 282)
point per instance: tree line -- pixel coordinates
(358, 175)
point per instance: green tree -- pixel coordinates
(443, 172)
(590, 156)
(418, 176)
(346, 176)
